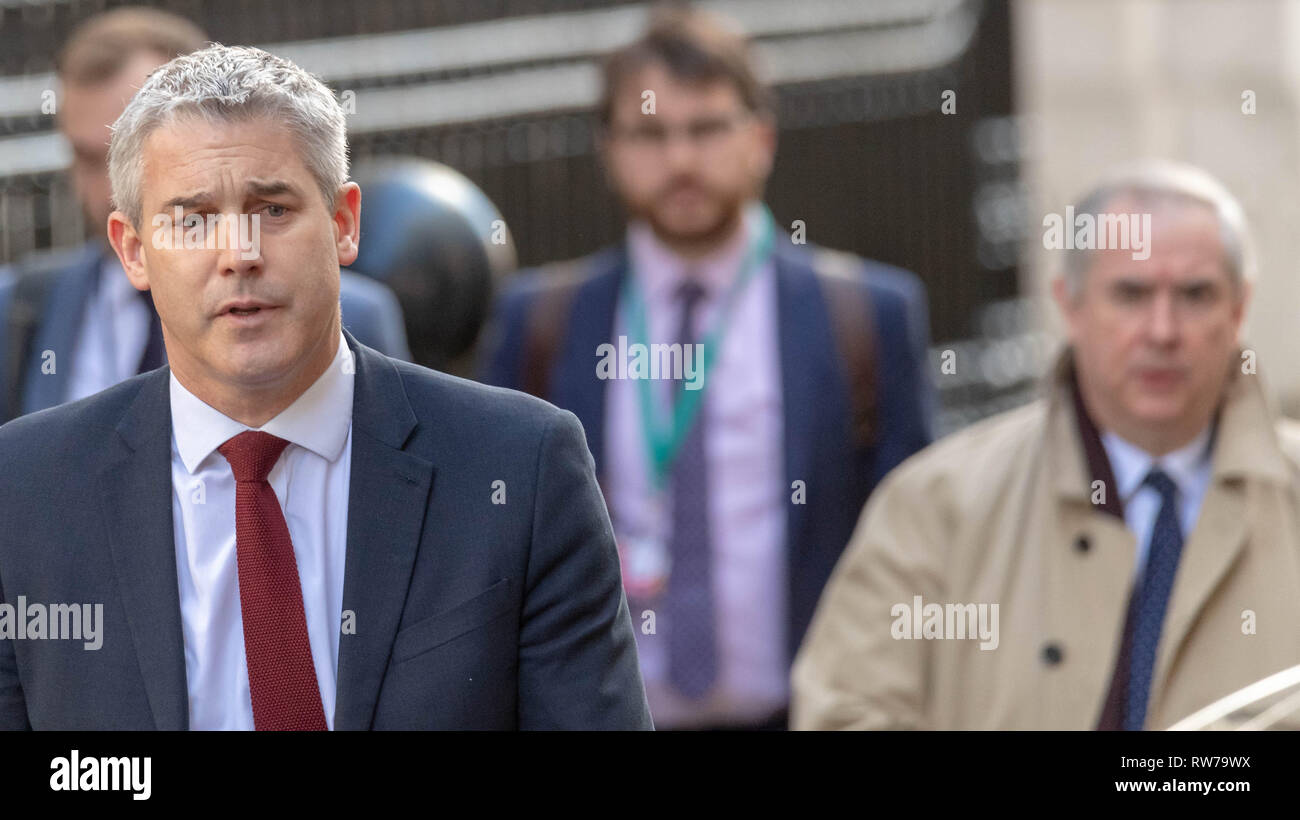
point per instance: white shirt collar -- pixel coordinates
(318, 420)
(1131, 464)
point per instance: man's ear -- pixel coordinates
(129, 247)
(347, 222)
(603, 148)
(1240, 309)
(765, 153)
(1066, 304)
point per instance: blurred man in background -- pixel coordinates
(732, 481)
(70, 322)
(1116, 555)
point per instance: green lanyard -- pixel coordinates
(662, 440)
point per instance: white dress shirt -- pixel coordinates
(114, 332)
(311, 481)
(1188, 467)
(747, 490)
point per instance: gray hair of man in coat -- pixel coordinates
(1152, 183)
(230, 84)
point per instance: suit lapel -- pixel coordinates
(804, 355)
(1218, 539)
(387, 497)
(60, 324)
(1088, 598)
(388, 494)
(135, 479)
(1246, 453)
(591, 325)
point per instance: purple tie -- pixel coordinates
(692, 654)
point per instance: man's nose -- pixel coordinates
(681, 151)
(238, 244)
(1162, 323)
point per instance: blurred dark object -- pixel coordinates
(437, 240)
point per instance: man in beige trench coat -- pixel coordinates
(1117, 554)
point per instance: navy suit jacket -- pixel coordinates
(819, 448)
(469, 614)
(370, 310)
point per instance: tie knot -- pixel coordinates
(1162, 483)
(690, 291)
(252, 454)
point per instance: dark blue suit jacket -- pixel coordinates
(819, 448)
(469, 614)
(370, 310)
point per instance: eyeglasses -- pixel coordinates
(702, 132)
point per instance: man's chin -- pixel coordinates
(1160, 411)
(257, 366)
(693, 230)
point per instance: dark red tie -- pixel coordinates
(281, 676)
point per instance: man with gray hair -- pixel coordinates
(1115, 555)
(287, 529)
(70, 322)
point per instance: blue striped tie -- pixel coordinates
(692, 648)
(1152, 597)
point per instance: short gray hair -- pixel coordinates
(229, 84)
(1162, 182)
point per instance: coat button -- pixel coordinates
(1052, 654)
(1082, 544)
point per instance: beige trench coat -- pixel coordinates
(1002, 513)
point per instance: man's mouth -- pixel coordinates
(1161, 377)
(247, 312)
(685, 192)
(245, 307)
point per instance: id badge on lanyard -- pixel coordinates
(643, 548)
(644, 556)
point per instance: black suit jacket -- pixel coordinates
(469, 614)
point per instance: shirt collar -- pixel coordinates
(318, 420)
(661, 270)
(1131, 463)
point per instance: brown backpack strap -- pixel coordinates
(849, 304)
(548, 316)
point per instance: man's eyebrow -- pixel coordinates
(254, 188)
(1131, 282)
(273, 187)
(1199, 282)
(189, 201)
